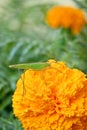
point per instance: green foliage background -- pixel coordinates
(25, 37)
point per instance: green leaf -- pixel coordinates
(35, 66)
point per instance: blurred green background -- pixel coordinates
(25, 37)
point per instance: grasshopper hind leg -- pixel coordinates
(22, 77)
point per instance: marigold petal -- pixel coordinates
(74, 19)
(52, 98)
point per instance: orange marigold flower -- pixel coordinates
(54, 98)
(67, 17)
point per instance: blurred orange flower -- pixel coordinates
(67, 17)
(54, 98)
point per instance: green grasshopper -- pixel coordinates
(34, 66)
